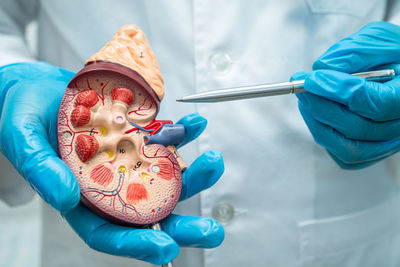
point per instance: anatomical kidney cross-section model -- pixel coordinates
(127, 166)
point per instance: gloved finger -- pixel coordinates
(375, 44)
(353, 166)
(25, 99)
(349, 151)
(203, 173)
(28, 149)
(149, 245)
(198, 232)
(28, 124)
(346, 122)
(301, 75)
(376, 101)
(194, 126)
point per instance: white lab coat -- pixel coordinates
(291, 204)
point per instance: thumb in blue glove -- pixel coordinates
(357, 121)
(30, 95)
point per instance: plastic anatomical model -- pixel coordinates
(125, 160)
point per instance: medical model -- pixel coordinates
(127, 166)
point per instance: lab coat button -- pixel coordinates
(222, 212)
(219, 63)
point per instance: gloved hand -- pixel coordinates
(357, 121)
(30, 95)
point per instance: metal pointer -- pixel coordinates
(271, 89)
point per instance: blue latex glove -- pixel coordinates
(30, 94)
(357, 121)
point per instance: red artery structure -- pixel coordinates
(144, 107)
(152, 127)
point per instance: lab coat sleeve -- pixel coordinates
(393, 12)
(14, 17)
